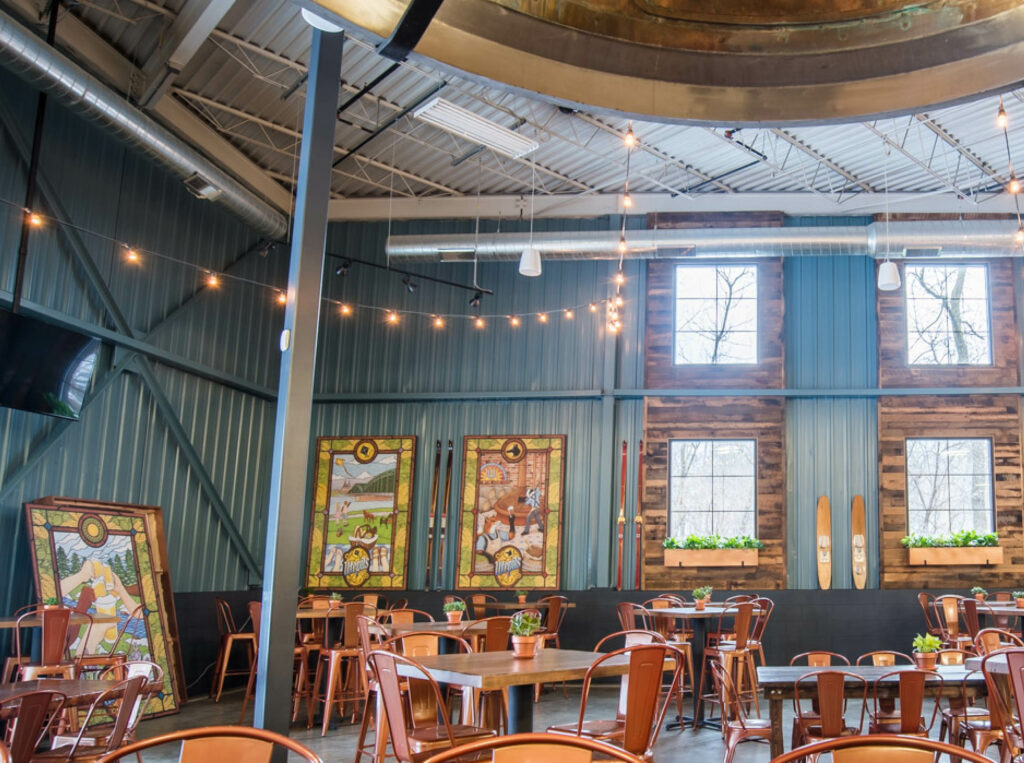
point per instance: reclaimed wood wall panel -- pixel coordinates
(659, 366)
(759, 418)
(997, 417)
(893, 370)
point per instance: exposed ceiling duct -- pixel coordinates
(49, 70)
(946, 238)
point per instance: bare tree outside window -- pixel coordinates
(716, 315)
(949, 486)
(712, 488)
(947, 315)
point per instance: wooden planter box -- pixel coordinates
(967, 555)
(711, 557)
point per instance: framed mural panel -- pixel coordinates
(510, 523)
(359, 529)
(111, 559)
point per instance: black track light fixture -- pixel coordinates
(410, 284)
(475, 302)
(342, 269)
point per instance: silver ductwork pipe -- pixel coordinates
(972, 238)
(50, 71)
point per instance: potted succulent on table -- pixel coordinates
(521, 597)
(1018, 596)
(453, 610)
(334, 601)
(701, 596)
(925, 650)
(524, 627)
(51, 602)
(979, 593)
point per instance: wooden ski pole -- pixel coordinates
(622, 516)
(638, 518)
(433, 508)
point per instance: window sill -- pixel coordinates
(711, 557)
(965, 555)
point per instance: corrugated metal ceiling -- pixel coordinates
(242, 82)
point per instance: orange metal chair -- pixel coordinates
(404, 616)
(536, 748)
(885, 658)
(300, 653)
(952, 629)
(371, 635)
(477, 604)
(906, 717)
(37, 711)
(764, 607)
(638, 718)
(990, 639)
(736, 726)
(230, 635)
(665, 625)
(230, 743)
(490, 635)
(89, 663)
(416, 735)
(819, 659)
(373, 599)
(872, 748)
(927, 602)
(728, 644)
(827, 718)
(57, 633)
(122, 702)
(632, 638)
(961, 718)
(340, 659)
(632, 616)
(1011, 715)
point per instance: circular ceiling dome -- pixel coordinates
(725, 61)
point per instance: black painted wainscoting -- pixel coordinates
(844, 621)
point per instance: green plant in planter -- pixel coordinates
(695, 542)
(978, 590)
(671, 542)
(522, 594)
(1018, 594)
(335, 597)
(51, 601)
(926, 643)
(454, 606)
(703, 592)
(524, 624)
(962, 539)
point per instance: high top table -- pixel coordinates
(777, 683)
(500, 670)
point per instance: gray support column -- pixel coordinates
(295, 390)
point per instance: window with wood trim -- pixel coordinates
(712, 487)
(715, 315)
(949, 486)
(948, 315)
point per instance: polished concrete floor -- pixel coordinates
(553, 708)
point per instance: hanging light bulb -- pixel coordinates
(623, 246)
(346, 309)
(543, 317)
(619, 301)
(620, 277)
(627, 201)
(212, 280)
(392, 317)
(529, 261)
(1019, 235)
(1014, 185)
(1001, 119)
(593, 307)
(479, 323)
(438, 322)
(629, 139)
(131, 255)
(35, 219)
(282, 298)
(888, 276)
(569, 315)
(513, 320)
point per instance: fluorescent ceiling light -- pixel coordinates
(316, 20)
(473, 127)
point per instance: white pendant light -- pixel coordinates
(529, 262)
(888, 276)
(318, 21)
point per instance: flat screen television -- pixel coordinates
(43, 368)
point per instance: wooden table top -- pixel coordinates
(308, 613)
(1001, 609)
(996, 665)
(781, 677)
(497, 670)
(443, 625)
(710, 610)
(515, 606)
(76, 619)
(79, 691)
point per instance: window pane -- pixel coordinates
(947, 315)
(949, 486)
(716, 315)
(713, 488)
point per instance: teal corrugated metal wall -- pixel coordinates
(831, 442)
